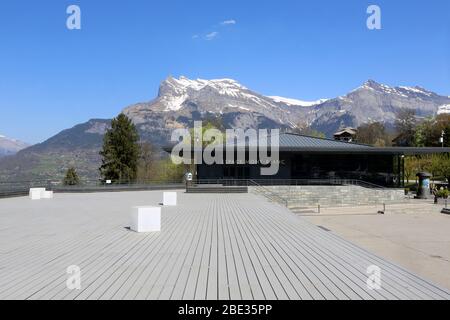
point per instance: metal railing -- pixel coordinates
(289, 182)
(21, 188)
(269, 194)
(222, 182)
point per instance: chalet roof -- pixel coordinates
(350, 131)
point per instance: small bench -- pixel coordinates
(146, 219)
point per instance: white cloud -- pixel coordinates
(211, 36)
(228, 22)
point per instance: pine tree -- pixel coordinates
(71, 178)
(120, 154)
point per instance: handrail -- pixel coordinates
(96, 182)
(21, 187)
(8, 189)
(362, 183)
(291, 182)
(277, 196)
(94, 189)
(84, 182)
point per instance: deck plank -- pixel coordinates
(211, 247)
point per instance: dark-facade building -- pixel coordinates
(308, 158)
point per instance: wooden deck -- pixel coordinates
(210, 247)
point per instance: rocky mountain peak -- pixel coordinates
(174, 92)
(182, 85)
(371, 84)
(9, 146)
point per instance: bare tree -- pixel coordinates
(373, 134)
(405, 124)
(146, 167)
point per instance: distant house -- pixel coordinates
(347, 135)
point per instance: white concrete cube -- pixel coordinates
(47, 195)
(36, 193)
(146, 219)
(170, 199)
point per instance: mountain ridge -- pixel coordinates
(184, 98)
(182, 101)
(10, 146)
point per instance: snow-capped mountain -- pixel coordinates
(444, 109)
(181, 101)
(374, 102)
(10, 146)
(295, 102)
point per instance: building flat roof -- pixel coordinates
(211, 247)
(290, 142)
(374, 150)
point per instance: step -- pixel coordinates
(217, 190)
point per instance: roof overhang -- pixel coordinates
(334, 150)
(375, 150)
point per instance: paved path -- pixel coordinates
(415, 235)
(210, 247)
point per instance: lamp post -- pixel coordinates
(441, 140)
(402, 170)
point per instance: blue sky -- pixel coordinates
(52, 78)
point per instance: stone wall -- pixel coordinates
(309, 196)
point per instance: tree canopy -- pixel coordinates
(405, 125)
(308, 131)
(429, 132)
(373, 134)
(71, 178)
(121, 150)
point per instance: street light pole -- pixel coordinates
(442, 138)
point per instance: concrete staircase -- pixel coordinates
(216, 189)
(301, 197)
